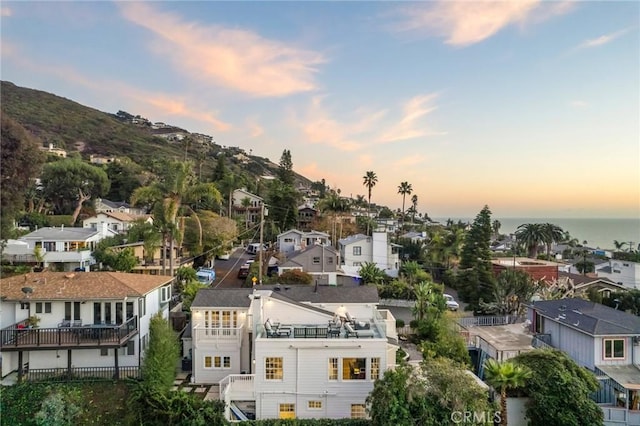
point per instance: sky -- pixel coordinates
(529, 107)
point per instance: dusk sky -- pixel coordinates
(530, 107)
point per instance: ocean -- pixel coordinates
(598, 233)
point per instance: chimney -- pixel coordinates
(62, 227)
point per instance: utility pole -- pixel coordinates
(261, 248)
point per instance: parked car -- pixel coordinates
(452, 305)
(243, 272)
(206, 276)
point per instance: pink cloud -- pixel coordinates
(238, 59)
(464, 23)
(410, 125)
(5, 12)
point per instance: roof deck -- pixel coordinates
(344, 330)
(500, 342)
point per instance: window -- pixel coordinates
(314, 405)
(333, 368)
(288, 240)
(49, 246)
(358, 411)
(287, 411)
(330, 260)
(375, 368)
(316, 260)
(357, 263)
(104, 352)
(207, 362)
(226, 362)
(217, 362)
(131, 347)
(357, 251)
(614, 349)
(165, 294)
(142, 306)
(273, 368)
(354, 368)
(43, 307)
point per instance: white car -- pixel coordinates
(452, 305)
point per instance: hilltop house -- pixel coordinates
(294, 240)
(64, 248)
(117, 221)
(320, 261)
(602, 339)
(106, 206)
(251, 212)
(306, 217)
(89, 323)
(299, 351)
(357, 249)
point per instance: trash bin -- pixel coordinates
(186, 364)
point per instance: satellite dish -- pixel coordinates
(27, 290)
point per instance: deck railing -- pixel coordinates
(17, 337)
(81, 374)
(490, 321)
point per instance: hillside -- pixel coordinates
(78, 128)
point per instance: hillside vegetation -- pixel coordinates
(78, 128)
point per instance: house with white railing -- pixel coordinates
(605, 341)
(66, 247)
(78, 324)
(298, 351)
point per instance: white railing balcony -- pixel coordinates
(205, 335)
(237, 387)
(619, 416)
(67, 256)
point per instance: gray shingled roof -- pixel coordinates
(589, 317)
(352, 239)
(67, 233)
(222, 298)
(584, 279)
(329, 294)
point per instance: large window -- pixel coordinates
(375, 368)
(287, 411)
(354, 368)
(217, 362)
(358, 411)
(333, 368)
(273, 368)
(357, 251)
(208, 362)
(614, 349)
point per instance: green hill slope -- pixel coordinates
(78, 128)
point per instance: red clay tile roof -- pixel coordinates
(80, 285)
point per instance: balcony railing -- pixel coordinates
(217, 334)
(98, 335)
(81, 374)
(490, 321)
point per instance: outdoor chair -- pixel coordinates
(271, 332)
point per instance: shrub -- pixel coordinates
(399, 323)
(295, 276)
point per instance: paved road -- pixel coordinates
(227, 270)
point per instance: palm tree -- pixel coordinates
(370, 180)
(371, 274)
(176, 186)
(531, 235)
(404, 189)
(425, 297)
(505, 375)
(414, 205)
(496, 227)
(552, 234)
(619, 245)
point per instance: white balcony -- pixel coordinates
(209, 335)
(68, 256)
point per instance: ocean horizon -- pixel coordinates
(597, 232)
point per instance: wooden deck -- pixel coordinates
(99, 336)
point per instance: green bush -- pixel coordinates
(399, 323)
(295, 276)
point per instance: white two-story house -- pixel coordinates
(622, 272)
(65, 248)
(250, 211)
(87, 322)
(357, 249)
(298, 351)
(604, 340)
(115, 221)
(294, 240)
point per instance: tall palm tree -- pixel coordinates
(414, 205)
(404, 189)
(505, 375)
(619, 245)
(176, 186)
(369, 180)
(552, 234)
(425, 297)
(531, 235)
